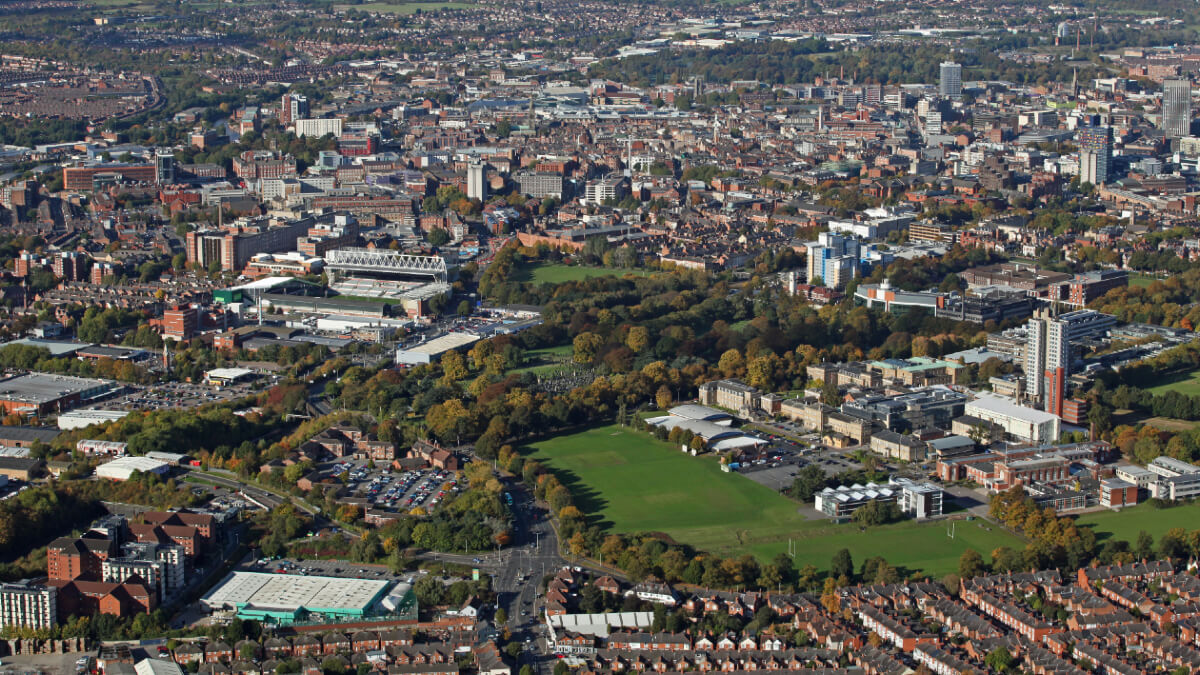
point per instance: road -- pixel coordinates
(534, 554)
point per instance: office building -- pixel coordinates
(1177, 107)
(180, 322)
(234, 246)
(933, 123)
(834, 259)
(292, 108)
(1095, 154)
(731, 394)
(950, 82)
(164, 168)
(259, 164)
(1019, 422)
(918, 499)
(79, 178)
(841, 502)
(477, 187)
(27, 605)
(540, 185)
(319, 127)
(611, 188)
(1048, 352)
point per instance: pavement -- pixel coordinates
(52, 664)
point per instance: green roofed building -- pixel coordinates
(287, 598)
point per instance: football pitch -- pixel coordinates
(627, 481)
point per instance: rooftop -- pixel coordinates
(288, 592)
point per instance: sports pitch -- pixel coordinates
(627, 481)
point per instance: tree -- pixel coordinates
(663, 397)
(808, 482)
(970, 564)
(999, 659)
(501, 616)
(438, 237)
(638, 339)
(876, 513)
(830, 395)
(1145, 546)
(586, 347)
(842, 565)
(731, 363)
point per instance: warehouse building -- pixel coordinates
(40, 393)
(428, 352)
(123, 468)
(285, 599)
(78, 419)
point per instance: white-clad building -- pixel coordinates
(90, 446)
(428, 352)
(1018, 421)
(318, 127)
(78, 419)
(28, 605)
(124, 467)
(710, 424)
(1169, 467)
(157, 667)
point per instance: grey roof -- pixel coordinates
(24, 434)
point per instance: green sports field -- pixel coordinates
(626, 481)
(1142, 280)
(1184, 383)
(557, 273)
(1127, 523)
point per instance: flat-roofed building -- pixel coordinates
(428, 352)
(1169, 467)
(41, 393)
(284, 599)
(1020, 422)
(1177, 488)
(841, 502)
(1051, 470)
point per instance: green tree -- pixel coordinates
(1000, 660)
(438, 237)
(842, 564)
(970, 564)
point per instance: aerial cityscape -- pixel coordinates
(468, 337)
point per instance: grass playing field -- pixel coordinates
(557, 273)
(1184, 383)
(626, 481)
(1127, 523)
(1141, 279)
